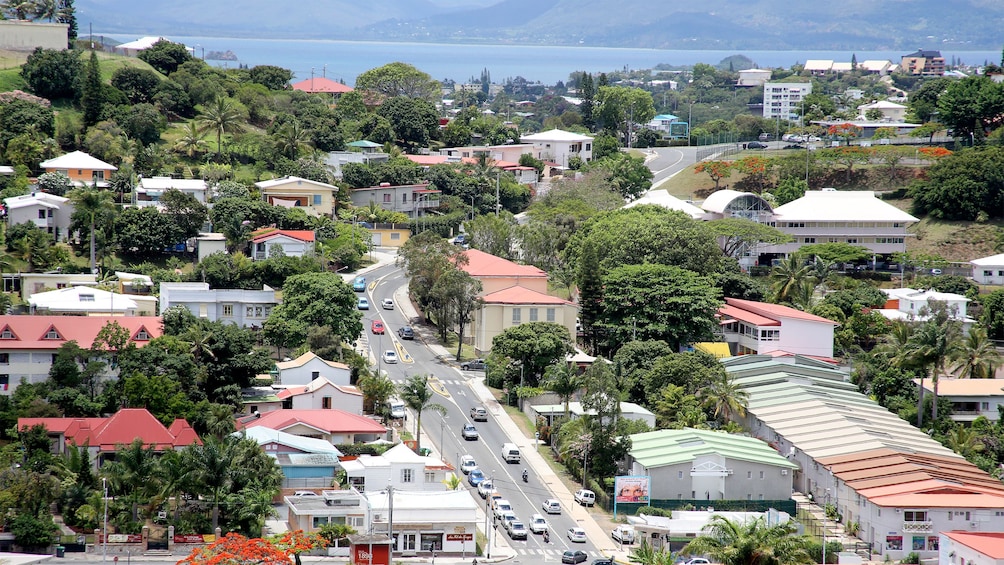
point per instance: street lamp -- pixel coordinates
(826, 503)
(442, 436)
(104, 528)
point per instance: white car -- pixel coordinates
(623, 534)
(698, 561)
(508, 517)
(551, 506)
(486, 488)
(387, 304)
(390, 357)
(467, 464)
(585, 497)
(517, 530)
(538, 524)
(577, 535)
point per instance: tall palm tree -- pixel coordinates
(964, 441)
(221, 116)
(932, 344)
(291, 138)
(174, 478)
(93, 203)
(417, 395)
(753, 542)
(377, 390)
(255, 505)
(133, 473)
(192, 140)
(210, 463)
(724, 397)
(977, 357)
(788, 277)
(563, 379)
(46, 9)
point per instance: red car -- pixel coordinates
(377, 327)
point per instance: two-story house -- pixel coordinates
(558, 146)
(46, 211)
(305, 462)
(83, 169)
(245, 308)
(336, 427)
(908, 304)
(971, 398)
(413, 200)
(316, 198)
(320, 394)
(150, 190)
(293, 243)
(399, 467)
(304, 369)
(751, 327)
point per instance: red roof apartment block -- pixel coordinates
(50, 332)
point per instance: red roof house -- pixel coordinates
(335, 426)
(294, 243)
(322, 84)
(763, 328)
(104, 435)
(496, 273)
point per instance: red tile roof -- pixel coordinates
(481, 264)
(120, 429)
(775, 311)
(990, 544)
(427, 159)
(521, 295)
(329, 421)
(322, 84)
(29, 331)
(264, 234)
(728, 313)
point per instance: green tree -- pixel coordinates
(92, 94)
(563, 380)
(838, 252)
(377, 391)
(627, 174)
(187, 214)
(165, 56)
(414, 120)
(932, 345)
(530, 348)
(789, 278)
(620, 107)
(737, 236)
(222, 115)
(33, 532)
(923, 103)
(138, 85)
(753, 542)
(961, 186)
(399, 79)
(724, 397)
(144, 232)
(495, 235)
(291, 139)
(417, 395)
(977, 357)
(271, 76)
(316, 299)
(192, 141)
(51, 73)
(789, 190)
(971, 105)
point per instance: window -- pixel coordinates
(406, 475)
(326, 403)
(915, 516)
(4, 358)
(258, 311)
(249, 311)
(809, 240)
(87, 298)
(404, 198)
(679, 474)
(395, 236)
(1000, 273)
(142, 335)
(41, 214)
(228, 310)
(387, 198)
(52, 334)
(533, 314)
(430, 477)
(317, 200)
(749, 474)
(988, 273)
(852, 240)
(50, 213)
(761, 475)
(517, 315)
(6, 334)
(98, 175)
(315, 374)
(550, 314)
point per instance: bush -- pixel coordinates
(653, 511)
(912, 557)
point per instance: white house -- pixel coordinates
(914, 305)
(293, 243)
(989, 270)
(304, 369)
(321, 394)
(246, 308)
(150, 190)
(753, 77)
(971, 398)
(316, 198)
(764, 328)
(46, 211)
(658, 530)
(971, 548)
(558, 146)
(400, 467)
(81, 168)
(414, 200)
(669, 125)
(82, 300)
(891, 111)
(783, 100)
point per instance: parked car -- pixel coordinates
(756, 145)
(623, 534)
(479, 414)
(389, 357)
(475, 365)
(461, 239)
(486, 488)
(475, 477)
(602, 561)
(470, 432)
(573, 557)
(363, 304)
(517, 530)
(508, 517)
(577, 535)
(551, 506)
(585, 497)
(406, 332)
(377, 327)
(387, 304)
(467, 464)
(501, 506)
(697, 561)
(936, 272)
(359, 285)
(538, 524)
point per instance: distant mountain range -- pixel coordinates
(664, 24)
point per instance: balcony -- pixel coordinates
(918, 527)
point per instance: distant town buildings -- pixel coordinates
(783, 100)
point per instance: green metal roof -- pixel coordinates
(670, 447)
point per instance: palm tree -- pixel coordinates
(174, 478)
(220, 421)
(210, 464)
(46, 9)
(964, 441)
(255, 505)
(645, 554)
(724, 396)
(377, 390)
(133, 473)
(93, 203)
(753, 542)
(563, 379)
(932, 344)
(418, 396)
(222, 116)
(291, 138)
(192, 140)
(788, 277)
(977, 357)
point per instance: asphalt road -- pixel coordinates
(444, 431)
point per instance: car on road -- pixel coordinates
(602, 561)
(538, 524)
(573, 557)
(756, 145)
(475, 365)
(486, 488)
(389, 357)
(585, 497)
(623, 534)
(479, 414)
(551, 506)
(475, 477)
(577, 535)
(517, 530)
(405, 332)
(377, 327)
(501, 506)
(359, 285)
(467, 464)
(387, 304)
(507, 518)
(363, 304)
(470, 432)
(936, 272)
(697, 561)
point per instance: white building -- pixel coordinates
(891, 111)
(320, 394)
(971, 548)
(628, 411)
(558, 146)
(658, 530)
(400, 467)
(150, 190)
(908, 304)
(304, 369)
(783, 100)
(46, 211)
(83, 301)
(246, 308)
(265, 242)
(753, 77)
(989, 270)
(971, 398)
(856, 217)
(772, 329)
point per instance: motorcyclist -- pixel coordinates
(526, 475)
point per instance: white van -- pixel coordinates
(397, 408)
(510, 453)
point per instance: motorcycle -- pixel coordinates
(547, 537)
(526, 476)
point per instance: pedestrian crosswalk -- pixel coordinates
(537, 552)
(455, 382)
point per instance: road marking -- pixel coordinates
(437, 387)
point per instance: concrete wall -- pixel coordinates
(26, 36)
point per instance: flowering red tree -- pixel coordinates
(934, 152)
(756, 169)
(846, 131)
(235, 549)
(717, 170)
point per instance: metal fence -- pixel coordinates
(789, 506)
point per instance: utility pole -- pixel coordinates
(390, 515)
(488, 519)
(498, 202)
(104, 528)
